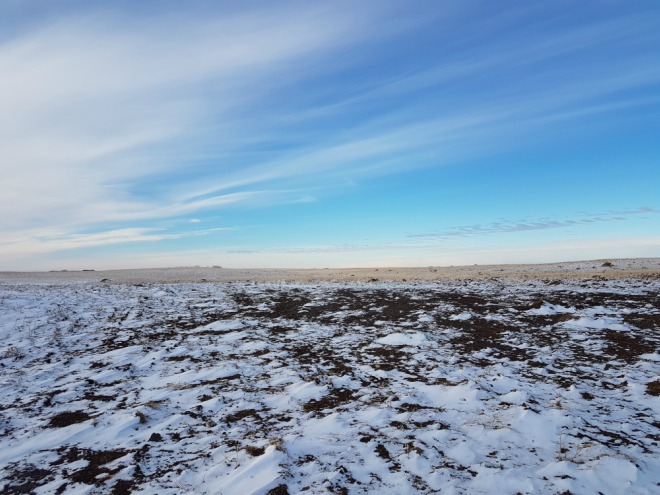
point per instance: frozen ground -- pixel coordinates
(490, 386)
(609, 269)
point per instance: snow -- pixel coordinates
(222, 388)
(600, 323)
(402, 339)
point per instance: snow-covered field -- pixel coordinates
(493, 386)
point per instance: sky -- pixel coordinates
(328, 133)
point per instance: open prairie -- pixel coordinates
(502, 379)
(609, 269)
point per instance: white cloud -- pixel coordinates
(50, 241)
(91, 107)
(527, 224)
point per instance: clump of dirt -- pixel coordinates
(653, 388)
(384, 454)
(245, 413)
(278, 490)
(255, 451)
(96, 464)
(335, 398)
(123, 487)
(180, 358)
(91, 396)
(409, 407)
(68, 418)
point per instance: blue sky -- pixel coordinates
(323, 134)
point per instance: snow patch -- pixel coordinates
(411, 339)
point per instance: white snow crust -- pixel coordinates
(392, 388)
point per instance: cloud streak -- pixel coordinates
(51, 242)
(93, 108)
(526, 225)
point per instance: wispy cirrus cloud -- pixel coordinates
(526, 225)
(40, 242)
(94, 108)
(413, 136)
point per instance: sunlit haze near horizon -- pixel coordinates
(327, 134)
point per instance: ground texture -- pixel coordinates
(488, 386)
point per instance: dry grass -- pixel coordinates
(581, 270)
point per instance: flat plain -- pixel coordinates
(479, 379)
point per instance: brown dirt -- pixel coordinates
(68, 418)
